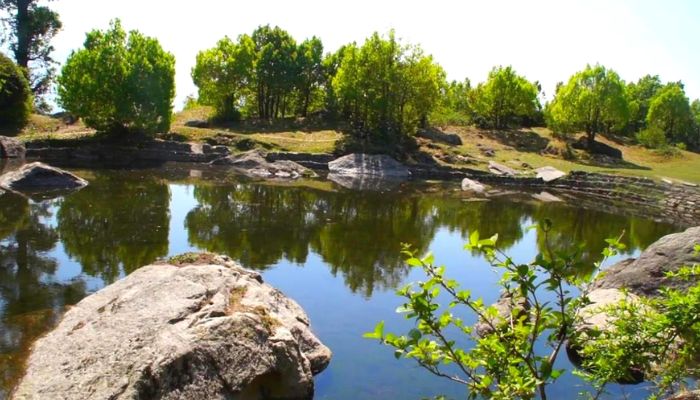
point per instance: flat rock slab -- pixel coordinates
(34, 177)
(197, 327)
(368, 164)
(11, 148)
(253, 163)
(500, 169)
(470, 185)
(549, 174)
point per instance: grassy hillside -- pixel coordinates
(522, 149)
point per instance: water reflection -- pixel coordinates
(116, 224)
(30, 301)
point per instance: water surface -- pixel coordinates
(335, 251)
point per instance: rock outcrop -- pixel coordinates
(439, 136)
(506, 306)
(36, 177)
(379, 165)
(645, 275)
(11, 148)
(253, 163)
(195, 327)
(500, 169)
(549, 174)
(470, 185)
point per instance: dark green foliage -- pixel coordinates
(505, 98)
(119, 83)
(31, 28)
(15, 96)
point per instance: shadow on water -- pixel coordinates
(126, 219)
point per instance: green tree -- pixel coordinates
(224, 74)
(695, 110)
(119, 82)
(454, 107)
(593, 101)
(670, 111)
(311, 72)
(275, 70)
(30, 30)
(386, 88)
(505, 97)
(15, 96)
(640, 95)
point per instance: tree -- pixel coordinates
(15, 96)
(640, 95)
(695, 110)
(275, 70)
(505, 97)
(224, 74)
(311, 71)
(31, 28)
(119, 82)
(670, 111)
(593, 101)
(386, 88)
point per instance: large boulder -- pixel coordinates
(35, 177)
(366, 164)
(11, 148)
(439, 136)
(470, 185)
(253, 163)
(507, 306)
(597, 148)
(647, 274)
(195, 327)
(549, 174)
(500, 169)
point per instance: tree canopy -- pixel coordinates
(669, 110)
(505, 97)
(593, 101)
(119, 82)
(30, 28)
(15, 96)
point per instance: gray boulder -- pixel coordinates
(500, 169)
(253, 163)
(38, 176)
(11, 148)
(196, 327)
(197, 123)
(506, 306)
(549, 174)
(439, 136)
(646, 275)
(365, 164)
(469, 185)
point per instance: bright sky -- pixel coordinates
(543, 40)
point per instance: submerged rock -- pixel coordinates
(196, 327)
(11, 148)
(37, 177)
(253, 163)
(366, 164)
(546, 197)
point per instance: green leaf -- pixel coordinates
(378, 332)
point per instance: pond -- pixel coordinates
(333, 250)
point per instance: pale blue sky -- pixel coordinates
(543, 40)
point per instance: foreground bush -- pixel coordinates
(15, 96)
(119, 83)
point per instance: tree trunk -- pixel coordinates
(23, 34)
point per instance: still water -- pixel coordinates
(333, 250)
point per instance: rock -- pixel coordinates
(646, 275)
(506, 306)
(35, 177)
(11, 148)
(689, 395)
(667, 181)
(439, 136)
(366, 164)
(546, 197)
(253, 163)
(593, 316)
(488, 152)
(469, 185)
(549, 174)
(500, 169)
(598, 148)
(197, 123)
(197, 327)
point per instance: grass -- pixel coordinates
(515, 148)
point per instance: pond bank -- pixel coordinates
(665, 201)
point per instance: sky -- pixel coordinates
(543, 40)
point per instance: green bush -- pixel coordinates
(119, 83)
(652, 137)
(15, 96)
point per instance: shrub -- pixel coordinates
(652, 137)
(15, 95)
(119, 82)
